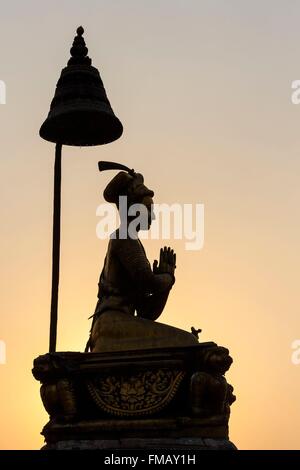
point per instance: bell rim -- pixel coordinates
(77, 133)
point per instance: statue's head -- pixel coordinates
(133, 199)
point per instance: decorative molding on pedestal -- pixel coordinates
(138, 394)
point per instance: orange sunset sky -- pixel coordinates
(203, 89)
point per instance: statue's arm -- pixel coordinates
(151, 306)
(152, 288)
(133, 259)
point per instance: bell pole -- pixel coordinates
(80, 115)
(55, 248)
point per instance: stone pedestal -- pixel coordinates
(174, 398)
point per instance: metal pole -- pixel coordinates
(55, 248)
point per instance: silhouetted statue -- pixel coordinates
(131, 294)
(148, 369)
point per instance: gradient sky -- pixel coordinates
(203, 89)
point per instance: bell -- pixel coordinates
(80, 113)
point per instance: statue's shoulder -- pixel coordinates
(118, 241)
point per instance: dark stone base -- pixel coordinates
(154, 433)
(168, 444)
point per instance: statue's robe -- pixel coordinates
(131, 297)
